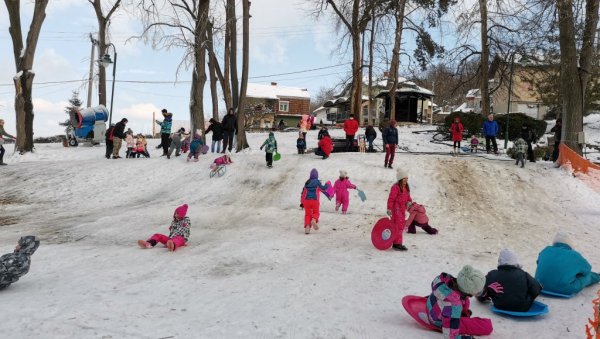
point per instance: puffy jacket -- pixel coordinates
(490, 128)
(217, 131)
(397, 200)
(561, 269)
(445, 306)
(270, 144)
(322, 133)
(350, 126)
(390, 136)
(109, 133)
(311, 190)
(229, 123)
(326, 145)
(300, 143)
(3, 133)
(129, 140)
(370, 133)
(15, 265)
(520, 146)
(119, 130)
(180, 228)
(417, 213)
(341, 187)
(165, 125)
(519, 289)
(456, 129)
(557, 129)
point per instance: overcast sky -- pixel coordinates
(284, 38)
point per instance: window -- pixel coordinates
(284, 106)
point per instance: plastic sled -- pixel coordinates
(329, 192)
(219, 171)
(382, 235)
(204, 149)
(417, 308)
(556, 294)
(361, 195)
(276, 157)
(537, 308)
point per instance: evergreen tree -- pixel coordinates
(74, 106)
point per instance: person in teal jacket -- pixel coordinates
(563, 270)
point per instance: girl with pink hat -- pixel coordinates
(179, 232)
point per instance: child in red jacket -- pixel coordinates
(418, 217)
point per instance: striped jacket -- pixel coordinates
(445, 306)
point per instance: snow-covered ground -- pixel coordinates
(249, 271)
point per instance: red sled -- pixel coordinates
(417, 308)
(383, 234)
(329, 192)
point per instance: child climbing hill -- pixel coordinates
(270, 146)
(310, 201)
(342, 197)
(418, 217)
(179, 232)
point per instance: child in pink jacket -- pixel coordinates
(342, 197)
(396, 207)
(418, 217)
(221, 161)
(179, 232)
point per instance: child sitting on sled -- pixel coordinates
(418, 217)
(342, 197)
(221, 161)
(16, 264)
(179, 232)
(448, 304)
(309, 199)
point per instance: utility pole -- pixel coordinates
(91, 75)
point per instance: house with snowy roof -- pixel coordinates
(267, 105)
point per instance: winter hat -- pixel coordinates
(181, 210)
(470, 281)
(562, 237)
(314, 174)
(401, 174)
(508, 257)
(343, 174)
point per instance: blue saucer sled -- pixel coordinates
(557, 295)
(537, 308)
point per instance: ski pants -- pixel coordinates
(343, 200)
(175, 145)
(161, 238)
(2, 153)
(390, 152)
(228, 140)
(399, 222)
(475, 326)
(165, 142)
(311, 211)
(269, 158)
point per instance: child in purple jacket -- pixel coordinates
(342, 197)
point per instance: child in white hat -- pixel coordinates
(342, 197)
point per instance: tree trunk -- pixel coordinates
(395, 63)
(485, 90)
(356, 94)
(102, 26)
(242, 142)
(232, 29)
(199, 73)
(223, 78)
(371, 53)
(211, 71)
(24, 56)
(574, 79)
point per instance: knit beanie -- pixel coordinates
(508, 257)
(314, 174)
(181, 210)
(401, 174)
(343, 174)
(562, 237)
(470, 281)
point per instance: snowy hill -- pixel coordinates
(249, 271)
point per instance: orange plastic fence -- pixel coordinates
(592, 328)
(579, 164)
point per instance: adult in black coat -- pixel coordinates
(322, 132)
(217, 134)
(229, 125)
(529, 136)
(509, 287)
(118, 135)
(370, 135)
(557, 129)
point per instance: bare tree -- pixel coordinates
(242, 142)
(181, 23)
(103, 23)
(231, 52)
(24, 55)
(485, 58)
(212, 73)
(399, 7)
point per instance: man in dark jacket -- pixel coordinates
(217, 130)
(557, 129)
(529, 136)
(370, 135)
(15, 265)
(109, 141)
(509, 287)
(118, 134)
(390, 141)
(229, 125)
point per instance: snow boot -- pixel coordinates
(430, 230)
(144, 244)
(307, 229)
(412, 229)
(314, 225)
(399, 247)
(171, 245)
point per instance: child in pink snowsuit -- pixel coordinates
(396, 207)
(342, 197)
(221, 161)
(418, 217)
(179, 232)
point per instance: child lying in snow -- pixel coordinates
(179, 232)
(15, 265)
(221, 161)
(418, 217)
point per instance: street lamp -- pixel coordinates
(105, 62)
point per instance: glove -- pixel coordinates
(261, 147)
(496, 287)
(301, 205)
(389, 213)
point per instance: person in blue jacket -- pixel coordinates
(490, 131)
(563, 270)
